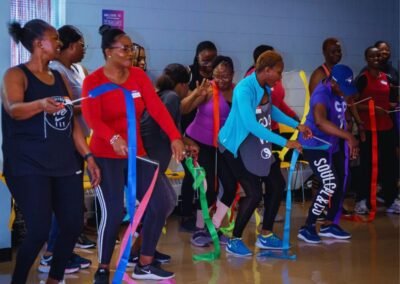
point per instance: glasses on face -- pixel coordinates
(226, 78)
(125, 48)
(84, 46)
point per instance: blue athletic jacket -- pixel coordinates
(242, 120)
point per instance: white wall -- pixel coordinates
(170, 30)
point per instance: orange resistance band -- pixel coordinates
(374, 167)
(215, 91)
(374, 173)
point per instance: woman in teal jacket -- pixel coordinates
(245, 139)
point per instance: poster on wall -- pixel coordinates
(114, 18)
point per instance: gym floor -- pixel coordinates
(371, 256)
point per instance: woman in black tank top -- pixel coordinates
(40, 145)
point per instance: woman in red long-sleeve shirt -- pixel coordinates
(107, 116)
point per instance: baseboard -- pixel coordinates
(5, 254)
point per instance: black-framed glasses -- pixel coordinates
(84, 46)
(225, 78)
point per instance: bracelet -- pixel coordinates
(114, 139)
(87, 156)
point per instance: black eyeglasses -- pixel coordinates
(84, 46)
(125, 48)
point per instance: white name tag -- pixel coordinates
(384, 82)
(136, 94)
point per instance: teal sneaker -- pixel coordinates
(269, 242)
(236, 247)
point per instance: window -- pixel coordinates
(51, 11)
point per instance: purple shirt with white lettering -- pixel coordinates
(335, 109)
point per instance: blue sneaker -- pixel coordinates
(334, 231)
(309, 235)
(236, 247)
(269, 242)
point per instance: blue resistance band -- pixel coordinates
(132, 150)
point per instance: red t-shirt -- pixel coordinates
(378, 89)
(106, 114)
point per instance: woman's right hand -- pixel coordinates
(293, 144)
(352, 142)
(202, 88)
(50, 105)
(120, 147)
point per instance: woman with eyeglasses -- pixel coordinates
(172, 87)
(40, 139)
(201, 71)
(212, 110)
(107, 115)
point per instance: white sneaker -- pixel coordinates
(361, 207)
(395, 207)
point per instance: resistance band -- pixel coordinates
(199, 184)
(306, 109)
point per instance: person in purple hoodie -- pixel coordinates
(326, 120)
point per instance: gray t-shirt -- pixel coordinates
(256, 153)
(75, 77)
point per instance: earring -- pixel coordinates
(109, 56)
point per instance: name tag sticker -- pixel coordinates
(136, 94)
(383, 82)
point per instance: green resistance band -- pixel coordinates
(199, 175)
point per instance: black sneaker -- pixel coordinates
(159, 258)
(45, 264)
(102, 276)
(84, 242)
(151, 272)
(81, 261)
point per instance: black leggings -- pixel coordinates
(38, 197)
(111, 200)
(251, 184)
(274, 185)
(388, 170)
(330, 174)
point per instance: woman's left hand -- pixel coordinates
(307, 133)
(94, 170)
(178, 150)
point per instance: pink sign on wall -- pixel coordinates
(114, 18)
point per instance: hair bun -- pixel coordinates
(16, 31)
(104, 28)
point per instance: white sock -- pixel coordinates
(219, 214)
(199, 220)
